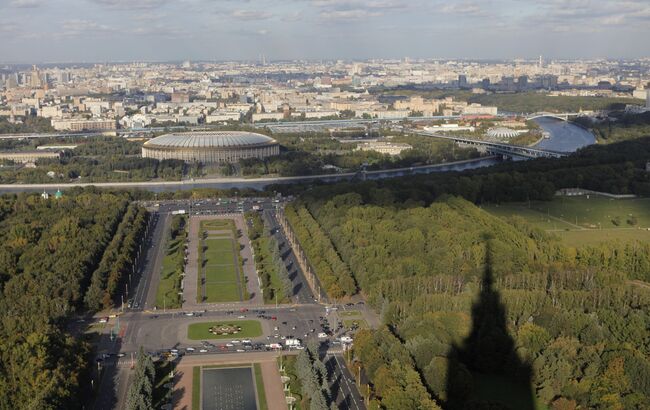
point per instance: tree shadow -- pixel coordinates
(484, 370)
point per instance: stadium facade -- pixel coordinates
(211, 146)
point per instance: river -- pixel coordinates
(564, 136)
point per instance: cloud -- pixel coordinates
(464, 9)
(26, 3)
(75, 27)
(294, 16)
(348, 15)
(131, 4)
(249, 15)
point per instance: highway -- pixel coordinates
(256, 183)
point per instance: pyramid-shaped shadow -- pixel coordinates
(484, 371)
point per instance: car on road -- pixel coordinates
(246, 341)
(240, 350)
(229, 345)
(120, 355)
(189, 314)
(190, 349)
(103, 320)
(203, 351)
(241, 317)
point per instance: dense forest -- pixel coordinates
(573, 313)
(569, 321)
(311, 155)
(50, 249)
(29, 124)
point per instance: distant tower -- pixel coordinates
(462, 81)
(540, 63)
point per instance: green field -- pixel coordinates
(249, 329)
(222, 292)
(349, 313)
(220, 265)
(259, 386)
(218, 225)
(196, 387)
(167, 294)
(584, 220)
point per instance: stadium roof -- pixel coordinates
(210, 139)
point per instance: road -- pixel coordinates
(256, 183)
(301, 291)
(150, 265)
(343, 387)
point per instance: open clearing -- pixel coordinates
(249, 329)
(584, 220)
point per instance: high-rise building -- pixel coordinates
(522, 82)
(35, 78)
(647, 98)
(462, 81)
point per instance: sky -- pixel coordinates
(33, 31)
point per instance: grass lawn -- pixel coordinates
(581, 220)
(169, 285)
(249, 329)
(218, 245)
(219, 258)
(361, 323)
(218, 261)
(349, 313)
(222, 292)
(196, 388)
(259, 386)
(217, 225)
(220, 273)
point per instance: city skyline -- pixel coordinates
(161, 30)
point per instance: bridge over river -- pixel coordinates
(498, 148)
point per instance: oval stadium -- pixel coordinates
(211, 146)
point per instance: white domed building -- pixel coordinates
(211, 146)
(503, 133)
